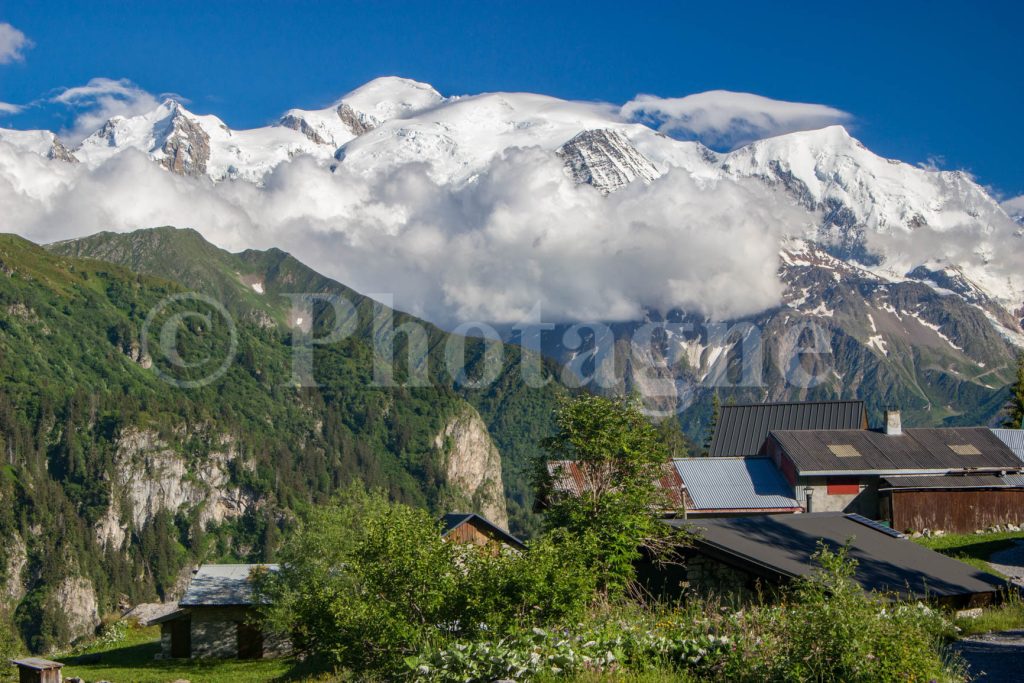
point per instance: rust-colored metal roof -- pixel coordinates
(572, 478)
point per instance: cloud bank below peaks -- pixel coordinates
(523, 233)
(725, 120)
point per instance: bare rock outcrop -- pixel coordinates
(75, 597)
(150, 476)
(186, 146)
(473, 465)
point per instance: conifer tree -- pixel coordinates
(716, 408)
(1014, 408)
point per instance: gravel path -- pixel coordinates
(998, 657)
(1010, 562)
(994, 657)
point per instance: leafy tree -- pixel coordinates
(368, 583)
(364, 582)
(1014, 409)
(620, 456)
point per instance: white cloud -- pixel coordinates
(13, 43)
(1015, 206)
(101, 99)
(523, 233)
(8, 108)
(725, 120)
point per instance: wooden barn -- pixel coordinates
(469, 527)
(959, 503)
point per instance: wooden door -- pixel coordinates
(250, 641)
(181, 638)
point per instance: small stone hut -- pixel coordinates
(217, 617)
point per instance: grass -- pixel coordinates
(1008, 616)
(132, 661)
(974, 549)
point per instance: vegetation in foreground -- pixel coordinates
(370, 586)
(125, 653)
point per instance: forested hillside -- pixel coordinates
(122, 467)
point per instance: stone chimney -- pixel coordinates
(893, 426)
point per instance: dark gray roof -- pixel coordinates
(735, 484)
(453, 520)
(222, 585)
(1013, 438)
(742, 429)
(954, 481)
(927, 451)
(782, 545)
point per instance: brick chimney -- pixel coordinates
(893, 426)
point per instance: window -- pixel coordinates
(964, 449)
(843, 450)
(843, 486)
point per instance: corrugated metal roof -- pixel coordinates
(222, 584)
(735, 484)
(1014, 440)
(915, 450)
(954, 481)
(742, 429)
(782, 545)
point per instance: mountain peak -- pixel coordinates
(391, 97)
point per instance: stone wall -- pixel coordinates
(215, 634)
(708, 577)
(863, 503)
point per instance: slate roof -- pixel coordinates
(453, 520)
(781, 546)
(222, 585)
(742, 429)
(735, 484)
(922, 451)
(954, 481)
(1013, 438)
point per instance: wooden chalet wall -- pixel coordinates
(957, 511)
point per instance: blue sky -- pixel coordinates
(923, 81)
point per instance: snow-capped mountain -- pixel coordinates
(187, 144)
(41, 142)
(852, 197)
(362, 110)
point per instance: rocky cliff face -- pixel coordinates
(186, 148)
(472, 466)
(76, 597)
(605, 159)
(300, 124)
(150, 476)
(357, 122)
(60, 152)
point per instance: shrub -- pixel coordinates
(368, 582)
(829, 629)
